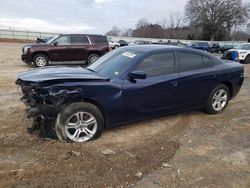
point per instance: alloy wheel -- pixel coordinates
(81, 127)
(219, 99)
(40, 61)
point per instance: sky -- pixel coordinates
(85, 16)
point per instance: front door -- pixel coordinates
(61, 49)
(155, 95)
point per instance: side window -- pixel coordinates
(79, 40)
(158, 64)
(100, 39)
(63, 40)
(191, 61)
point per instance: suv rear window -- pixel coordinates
(79, 40)
(100, 39)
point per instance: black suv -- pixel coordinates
(66, 47)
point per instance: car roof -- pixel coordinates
(81, 34)
(148, 48)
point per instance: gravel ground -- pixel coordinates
(191, 149)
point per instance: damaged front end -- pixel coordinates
(43, 104)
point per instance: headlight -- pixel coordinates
(20, 91)
(25, 49)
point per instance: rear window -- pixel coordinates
(191, 61)
(100, 39)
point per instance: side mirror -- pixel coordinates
(55, 43)
(137, 75)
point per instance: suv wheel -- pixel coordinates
(79, 122)
(92, 58)
(247, 59)
(40, 60)
(218, 100)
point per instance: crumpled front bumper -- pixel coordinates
(41, 110)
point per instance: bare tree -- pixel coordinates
(115, 31)
(143, 22)
(217, 17)
(127, 32)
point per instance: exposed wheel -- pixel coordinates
(116, 47)
(247, 60)
(79, 122)
(218, 100)
(92, 58)
(40, 60)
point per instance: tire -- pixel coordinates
(116, 47)
(247, 60)
(216, 97)
(40, 60)
(92, 58)
(77, 114)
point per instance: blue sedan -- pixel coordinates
(129, 84)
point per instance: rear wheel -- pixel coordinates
(218, 100)
(92, 58)
(40, 60)
(79, 122)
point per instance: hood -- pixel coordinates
(36, 45)
(58, 73)
(238, 50)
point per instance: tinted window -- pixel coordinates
(79, 40)
(158, 64)
(191, 62)
(100, 39)
(63, 40)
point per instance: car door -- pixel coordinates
(79, 46)
(157, 93)
(61, 49)
(197, 78)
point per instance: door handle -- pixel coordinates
(174, 84)
(212, 76)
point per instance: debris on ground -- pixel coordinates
(139, 175)
(76, 153)
(166, 165)
(108, 152)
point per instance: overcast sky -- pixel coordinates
(89, 16)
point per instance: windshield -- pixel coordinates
(115, 63)
(244, 47)
(51, 40)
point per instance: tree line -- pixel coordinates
(203, 20)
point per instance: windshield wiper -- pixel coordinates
(91, 70)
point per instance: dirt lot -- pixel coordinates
(184, 150)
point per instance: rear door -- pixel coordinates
(197, 78)
(79, 47)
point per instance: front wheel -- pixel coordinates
(40, 60)
(247, 61)
(218, 100)
(92, 58)
(79, 122)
